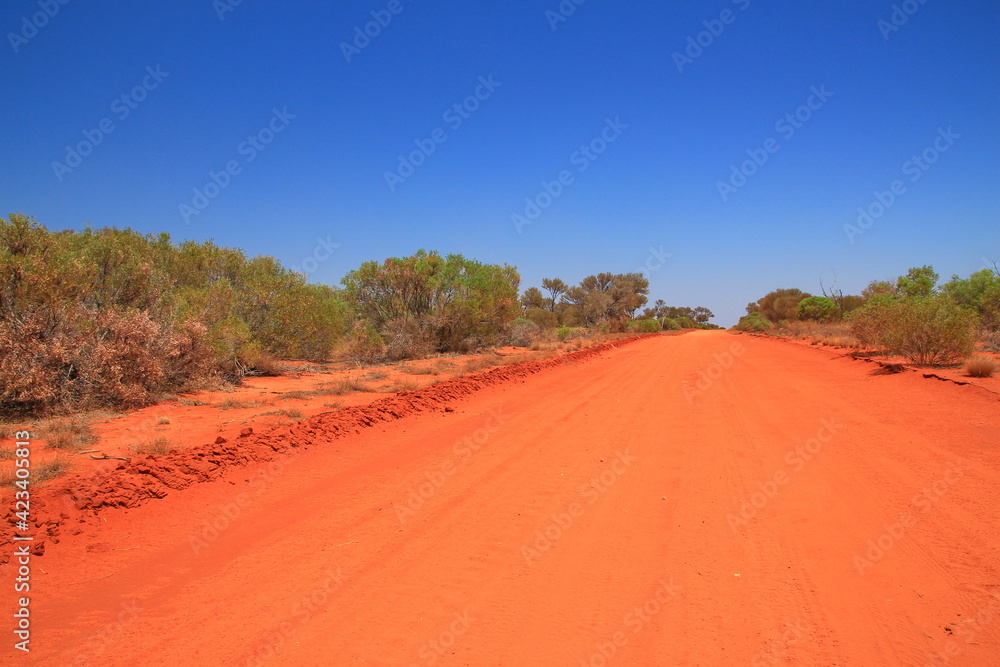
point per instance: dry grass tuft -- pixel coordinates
(40, 473)
(234, 404)
(291, 414)
(156, 446)
(981, 367)
(72, 434)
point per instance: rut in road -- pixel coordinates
(705, 499)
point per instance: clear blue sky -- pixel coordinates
(322, 176)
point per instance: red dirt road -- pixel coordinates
(666, 503)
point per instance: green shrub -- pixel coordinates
(927, 330)
(671, 324)
(819, 308)
(646, 326)
(565, 333)
(753, 322)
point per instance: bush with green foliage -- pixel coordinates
(927, 330)
(754, 322)
(462, 302)
(818, 308)
(113, 317)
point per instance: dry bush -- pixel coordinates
(362, 346)
(73, 358)
(402, 384)
(981, 367)
(156, 446)
(162, 420)
(341, 388)
(990, 339)
(40, 473)
(334, 405)
(291, 414)
(420, 370)
(408, 339)
(71, 434)
(236, 404)
(523, 333)
(377, 375)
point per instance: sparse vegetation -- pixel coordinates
(163, 420)
(156, 446)
(291, 414)
(236, 404)
(69, 434)
(981, 367)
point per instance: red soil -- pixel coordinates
(700, 500)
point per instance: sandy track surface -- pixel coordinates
(707, 499)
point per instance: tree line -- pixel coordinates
(914, 316)
(116, 318)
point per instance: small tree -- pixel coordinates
(818, 308)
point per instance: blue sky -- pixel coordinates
(266, 90)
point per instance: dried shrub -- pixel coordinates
(981, 367)
(156, 446)
(71, 434)
(408, 339)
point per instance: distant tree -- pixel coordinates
(879, 288)
(455, 298)
(609, 298)
(533, 298)
(918, 281)
(556, 288)
(781, 304)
